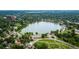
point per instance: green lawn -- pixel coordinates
(50, 44)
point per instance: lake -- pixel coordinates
(42, 27)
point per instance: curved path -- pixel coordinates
(55, 38)
(72, 46)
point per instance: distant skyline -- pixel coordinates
(12, 12)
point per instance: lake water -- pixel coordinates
(42, 27)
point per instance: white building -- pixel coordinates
(76, 31)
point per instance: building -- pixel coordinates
(36, 37)
(10, 17)
(76, 31)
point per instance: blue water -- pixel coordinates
(42, 27)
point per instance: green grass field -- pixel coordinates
(50, 44)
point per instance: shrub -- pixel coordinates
(15, 46)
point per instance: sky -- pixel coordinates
(39, 4)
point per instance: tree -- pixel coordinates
(51, 32)
(44, 35)
(41, 45)
(73, 32)
(56, 32)
(36, 33)
(15, 46)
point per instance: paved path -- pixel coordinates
(72, 46)
(55, 38)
